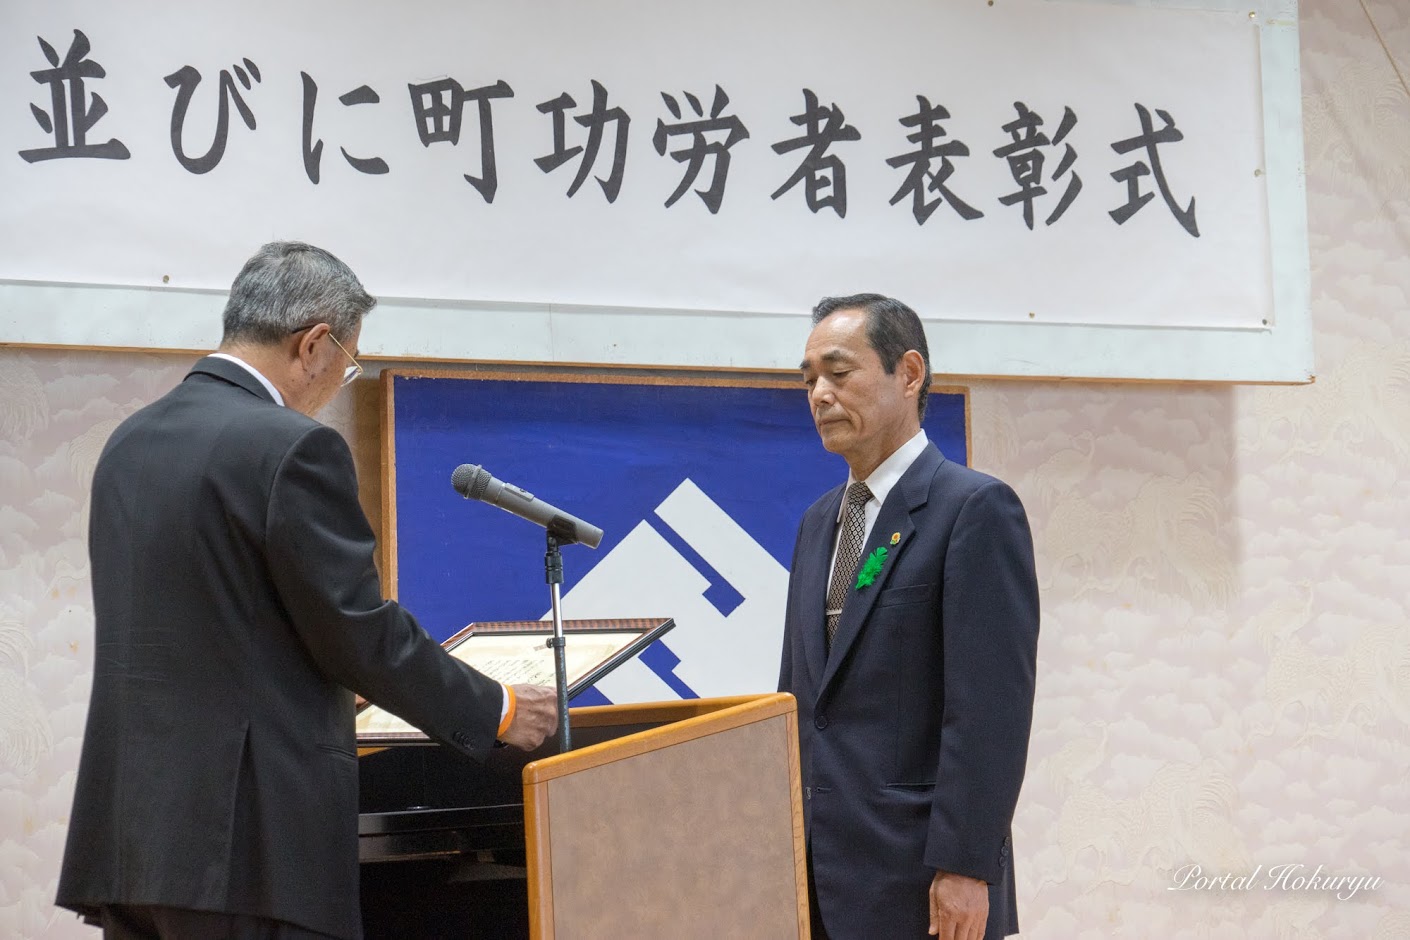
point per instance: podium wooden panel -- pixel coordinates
(693, 828)
(672, 819)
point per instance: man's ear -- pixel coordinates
(308, 342)
(913, 366)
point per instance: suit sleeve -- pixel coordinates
(990, 637)
(320, 552)
(785, 667)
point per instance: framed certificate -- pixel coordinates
(516, 652)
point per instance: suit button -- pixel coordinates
(460, 737)
(820, 721)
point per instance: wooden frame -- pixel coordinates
(636, 634)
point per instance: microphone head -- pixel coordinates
(470, 481)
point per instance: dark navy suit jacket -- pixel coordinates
(914, 729)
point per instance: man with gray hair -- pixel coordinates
(237, 611)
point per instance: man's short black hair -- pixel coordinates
(892, 330)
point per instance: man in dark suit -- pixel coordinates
(237, 610)
(910, 640)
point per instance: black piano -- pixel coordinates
(441, 839)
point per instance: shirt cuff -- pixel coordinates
(506, 711)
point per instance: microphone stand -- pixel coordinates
(553, 574)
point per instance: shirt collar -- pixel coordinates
(268, 385)
(885, 477)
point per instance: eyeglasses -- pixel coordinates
(352, 371)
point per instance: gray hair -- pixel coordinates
(289, 285)
(893, 329)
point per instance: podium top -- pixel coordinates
(668, 724)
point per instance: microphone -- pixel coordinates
(474, 482)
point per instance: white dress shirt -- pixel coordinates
(881, 482)
(268, 385)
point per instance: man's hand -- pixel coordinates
(535, 716)
(959, 907)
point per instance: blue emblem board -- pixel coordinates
(698, 485)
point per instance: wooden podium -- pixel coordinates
(691, 828)
(680, 819)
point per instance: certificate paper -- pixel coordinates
(517, 653)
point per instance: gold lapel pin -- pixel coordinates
(895, 537)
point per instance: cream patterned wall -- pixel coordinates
(1224, 672)
(1225, 658)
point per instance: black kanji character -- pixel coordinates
(699, 148)
(1026, 160)
(1149, 138)
(439, 105)
(313, 152)
(595, 120)
(927, 120)
(74, 114)
(825, 173)
(185, 81)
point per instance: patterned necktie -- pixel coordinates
(849, 554)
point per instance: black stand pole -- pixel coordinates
(553, 574)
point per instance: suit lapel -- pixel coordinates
(814, 567)
(895, 521)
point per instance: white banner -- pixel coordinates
(1060, 188)
(1026, 161)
